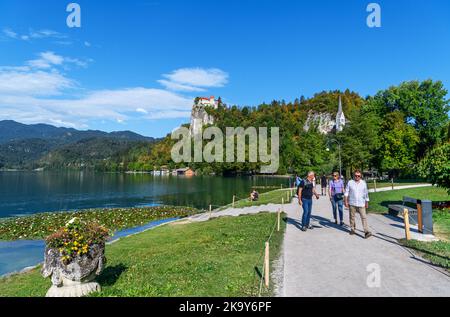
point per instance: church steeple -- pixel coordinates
(340, 117)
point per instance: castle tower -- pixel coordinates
(340, 117)
(199, 116)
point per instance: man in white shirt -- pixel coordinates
(357, 199)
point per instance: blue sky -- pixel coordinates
(137, 65)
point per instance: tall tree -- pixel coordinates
(424, 105)
(398, 144)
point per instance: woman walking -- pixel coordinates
(306, 191)
(336, 193)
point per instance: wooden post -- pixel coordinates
(279, 220)
(406, 219)
(234, 199)
(282, 204)
(420, 217)
(281, 186)
(267, 266)
(392, 183)
(375, 185)
(288, 196)
(210, 211)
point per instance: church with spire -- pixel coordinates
(340, 117)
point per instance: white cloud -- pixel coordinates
(116, 105)
(178, 87)
(46, 60)
(31, 34)
(49, 59)
(34, 83)
(140, 110)
(194, 79)
(40, 93)
(10, 33)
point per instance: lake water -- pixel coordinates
(25, 193)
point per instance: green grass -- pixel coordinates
(437, 252)
(379, 201)
(214, 258)
(41, 225)
(441, 221)
(272, 197)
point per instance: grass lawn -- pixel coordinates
(441, 220)
(214, 258)
(437, 253)
(272, 197)
(379, 201)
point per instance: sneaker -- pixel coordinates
(304, 229)
(310, 227)
(336, 222)
(352, 233)
(368, 235)
(342, 224)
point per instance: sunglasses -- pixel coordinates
(357, 176)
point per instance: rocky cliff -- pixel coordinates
(324, 122)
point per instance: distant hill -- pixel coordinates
(40, 145)
(14, 131)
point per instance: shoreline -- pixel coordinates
(115, 238)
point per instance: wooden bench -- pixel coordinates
(408, 203)
(421, 211)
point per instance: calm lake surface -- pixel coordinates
(25, 193)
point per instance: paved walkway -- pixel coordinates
(328, 262)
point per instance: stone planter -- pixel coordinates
(75, 279)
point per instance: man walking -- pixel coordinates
(357, 199)
(336, 193)
(324, 184)
(306, 191)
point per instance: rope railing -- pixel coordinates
(263, 279)
(264, 258)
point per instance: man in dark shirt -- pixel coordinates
(306, 191)
(324, 184)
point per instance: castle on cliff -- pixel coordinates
(199, 116)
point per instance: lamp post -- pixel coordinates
(340, 155)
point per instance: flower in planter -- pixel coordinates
(75, 253)
(76, 239)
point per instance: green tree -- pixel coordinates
(436, 166)
(398, 143)
(359, 140)
(424, 105)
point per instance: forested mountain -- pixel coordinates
(35, 146)
(14, 131)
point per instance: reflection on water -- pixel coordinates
(24, 193)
